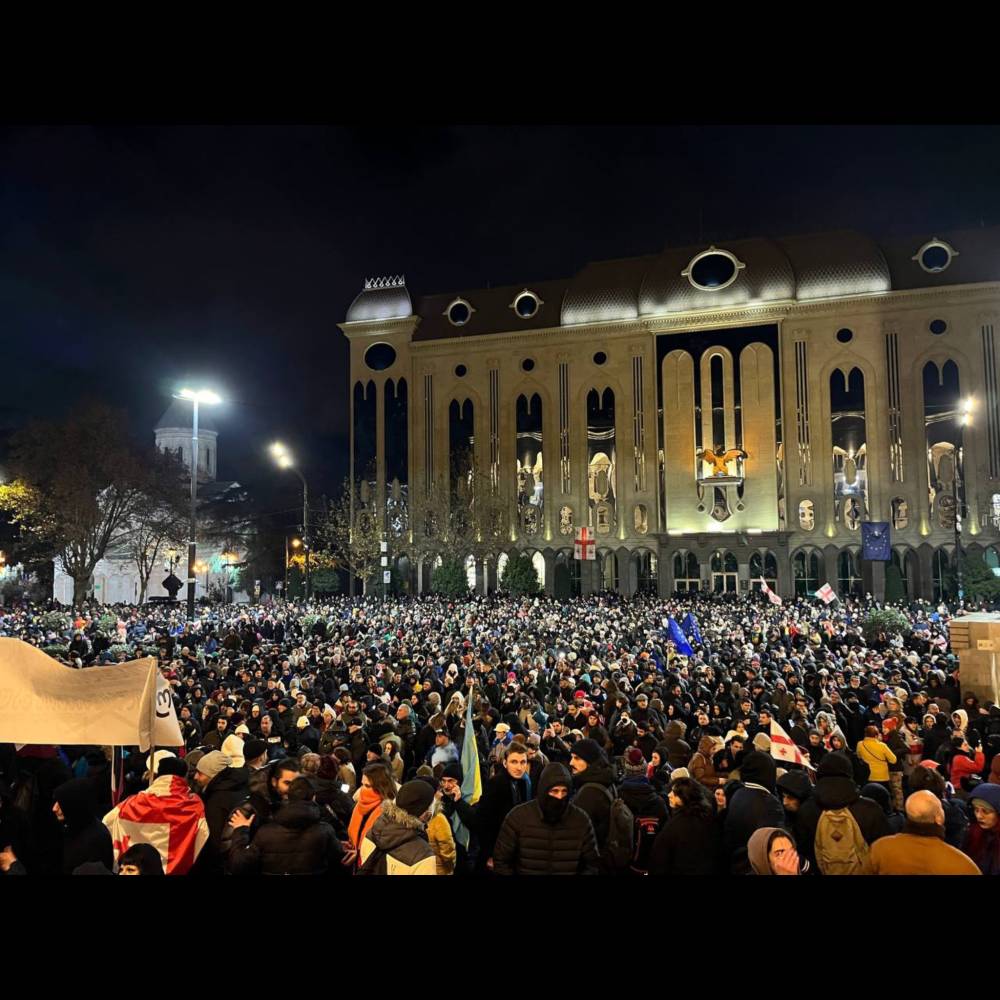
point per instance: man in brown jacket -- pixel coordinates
(920, 849)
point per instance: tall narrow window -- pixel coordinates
(601, 461)
(396, 455)
(364, 434)
(847, 415)
(428, 432)
(942, 421)
(992, 400)
(638, 427)
(494, 430)
(461, 450)
(802, 413)
(566, 483)
(530, 492)
(895, 408)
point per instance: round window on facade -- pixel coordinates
(600, 358)
(526, 304)
(845, 336)
(938, 326)
(713, 270)
(461, 371)
(935, 255)
(459, 312)
(378, 357)
(528, 364)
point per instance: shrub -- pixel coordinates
(519, 577)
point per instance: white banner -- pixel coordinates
(43, 701)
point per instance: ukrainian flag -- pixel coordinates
(472, 782)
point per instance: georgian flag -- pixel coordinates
(771, 595)
(785, 749)
(167, 815)
(826, 593)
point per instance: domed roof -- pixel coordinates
(828, 265)
(178, 415)
(767, 275)
(605, 291)
(382, 298)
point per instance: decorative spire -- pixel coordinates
(399, 281)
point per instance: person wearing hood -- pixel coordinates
(771, 851)
(297, 841)
(549, 835)
(752, 806)
(886, 802)
(965, 761)
(728, 760)
(835, 789)
(223, 788)
(678, 751)
(982, 842)
(397, 844)
(702, 763)
(593, 788)
(85, 837)
(690, 842)
(794, 787)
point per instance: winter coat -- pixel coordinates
(530, 845)
(442, 841)
(397, 845)
(296, 842)
(689, 844)
(919, 851)
(595, 802)
(223, 794)
(963, 765)
(749, 810)
(678, 751)
(702, 765)
(877, 756)
(85, 837)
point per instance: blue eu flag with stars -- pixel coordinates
(875, 543)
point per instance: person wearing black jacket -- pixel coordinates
(297, 842)
(753, 805)
(223, 788)
(509, 788)
(593, 786)
(690, 842)
(835, 789)
(85, 837)
(548, 836)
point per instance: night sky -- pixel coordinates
(135, 259)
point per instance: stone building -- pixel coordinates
(714, 414)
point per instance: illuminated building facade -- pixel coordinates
(715, 414)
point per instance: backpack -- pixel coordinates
(618, 848)
(840, 848)
(646, 830)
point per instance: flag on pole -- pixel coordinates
(784, 748)
(679, 639)
(771, 595)
(168, 816)
(472, 782)
(826, 593)
(690, 627)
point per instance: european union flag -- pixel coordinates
(679, 639)
(690, 627)
(875, 542)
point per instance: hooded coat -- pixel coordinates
(702, 766)
(296, 842)
(678, 751)
(595, 801)
(751, 808)
(85, 837)
(531, 844)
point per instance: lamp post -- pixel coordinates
(295, 544)
(285, 460)
(965, 420)
(195, 396)
(231, 559)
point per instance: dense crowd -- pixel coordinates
(334, 739)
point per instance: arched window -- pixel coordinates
(765, 566)
(725, 573)
(646, 567)
(528, 458)
(900, 513)
(807, 515)
(538, 561)
(847, 417)
(687, 572)
(601, 461)
(805, 569)
(849, 581)
(470, 571)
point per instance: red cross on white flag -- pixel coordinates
(771, 595)
(826, 593)
(784, 748)
(585, 547)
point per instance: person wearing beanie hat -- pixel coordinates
(982, 842)
(648, 809)
(153, 762)
(255, 754)
(223, 788)
(593, 791)
(397, 842)
(633, 763)
(753, 805)
(233, 747)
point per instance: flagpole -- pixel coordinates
(152, 721)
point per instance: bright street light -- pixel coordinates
(200, 396)
(285, 460)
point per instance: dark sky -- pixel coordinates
(133, 259)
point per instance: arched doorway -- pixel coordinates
(806, 565)
(763, 567)
(687, 572)
(725, 573)
(849, 582)
(941, 574)
(566, 579)
(645, 563)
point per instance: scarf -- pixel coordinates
(368, 809)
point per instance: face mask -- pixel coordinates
(553, 810)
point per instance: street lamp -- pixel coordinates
(195, 397)
(285, 460)
(296, 543)
(965, 420)
(231, 559)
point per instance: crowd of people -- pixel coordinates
(344, 738)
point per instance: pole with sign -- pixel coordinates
(384, 546)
